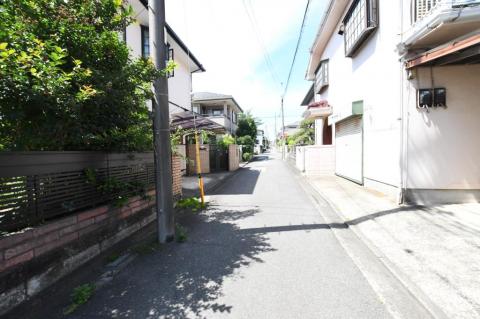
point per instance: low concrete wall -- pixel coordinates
(315, 159)
(233, 157)
(192, 159)
(300, 158)
(33, 259)
(441, 196)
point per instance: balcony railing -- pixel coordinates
(424, 7)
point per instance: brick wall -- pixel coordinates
(177, 176)
(35, 258)
(204, 158)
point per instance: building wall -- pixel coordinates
(372, 75)
(443, 147)
(180, 85)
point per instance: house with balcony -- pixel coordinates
(317, 159)
(401, 82)
(180, 80)
(219, 108)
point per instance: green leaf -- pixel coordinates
(3, 46)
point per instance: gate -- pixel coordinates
(218, 158)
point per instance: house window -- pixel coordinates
(321, 76)
(145, 42)
(217, 112)
(170, 58)
(360, 21)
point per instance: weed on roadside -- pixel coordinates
(180, 233)
(80, 296)
(112, 257)
(146, 248)
(192, 203)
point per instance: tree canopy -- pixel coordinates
(67, 81)
(305, 135)
(247, 125)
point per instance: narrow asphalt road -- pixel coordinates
(262, 250)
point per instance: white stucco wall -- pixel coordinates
(372, 75)
(180, 85)
(444, 144)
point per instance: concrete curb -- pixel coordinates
(405, 281)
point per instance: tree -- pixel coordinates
(67, 81)
(305, 135)
(247, 142)
(247, 125)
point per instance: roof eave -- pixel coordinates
(180, 43)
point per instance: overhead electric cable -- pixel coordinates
(296, 48)
(257, 32)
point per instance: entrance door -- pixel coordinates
(218, 158)
(349, 149)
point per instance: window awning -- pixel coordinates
(189, 120)
(464, 50)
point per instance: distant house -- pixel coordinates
(291, 129)
(220, 108)
(260, 143)
(180, 81)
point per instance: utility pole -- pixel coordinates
(283, 133)
(275, 133)
(161, 124)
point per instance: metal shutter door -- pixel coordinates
(349, 149)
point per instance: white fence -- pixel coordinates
(315, 159)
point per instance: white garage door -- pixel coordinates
(349, 149)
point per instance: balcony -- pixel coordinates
(438, 21)
(317, 110)
(221, 119)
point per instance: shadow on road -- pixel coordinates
(245, 181)
(183, 280)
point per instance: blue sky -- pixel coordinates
(221, 35)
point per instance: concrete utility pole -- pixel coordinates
(275, 133)
(161, 124)
(283, 133)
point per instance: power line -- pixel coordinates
(256, 31)
(269, 60)
(296, 48)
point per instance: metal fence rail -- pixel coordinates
(38, 186)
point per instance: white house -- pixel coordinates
(180, 82)
(402, 80)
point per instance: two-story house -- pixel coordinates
(180, 80)
(402, 81)
(220, 108)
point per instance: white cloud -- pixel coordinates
(220, 35)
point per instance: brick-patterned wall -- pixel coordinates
(33, 259)
(177, 176)
(233, 157)
(204, 158)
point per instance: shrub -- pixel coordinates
(247, 156)
(225, 140)
(247, 142)
(67, 81)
